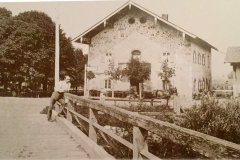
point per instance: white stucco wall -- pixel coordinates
(152, 40)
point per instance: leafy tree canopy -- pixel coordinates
(166, 72)
(90, 75)
(137, 71)
(27, 49)
(4, 13)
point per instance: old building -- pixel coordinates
(233, 57)
(133, 31)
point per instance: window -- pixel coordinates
(209, 62)
(194, 85)
(194, 57)
(206, 83)
(143, 20)
(108, 57)
(166, 85)
(203, 84)
(131, 20)
(199, 86)
(136, 54)
(199, 58)
(108, 84)
(121, 35)
(166, 56)
(209, 84)
(203, 59)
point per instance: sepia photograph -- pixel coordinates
(119, 79)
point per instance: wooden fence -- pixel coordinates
(115, 100)
(142, 125)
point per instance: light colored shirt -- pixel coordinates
(62, 86)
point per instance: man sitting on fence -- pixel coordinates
(57, 95)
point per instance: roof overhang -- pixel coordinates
(233, 55)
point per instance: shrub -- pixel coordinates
(147, 95)
(94, 93)
(213, 118)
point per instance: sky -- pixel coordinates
(215, 21)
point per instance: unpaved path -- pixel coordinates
(24, 133)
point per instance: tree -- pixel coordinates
(115, 75)
(137, 72)
(6, 21)
(166, 74)
(90, 75)
(40, 46)
(27, 50)
(4, 13)
(77, 73)
(5, 30)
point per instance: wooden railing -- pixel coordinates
(206, 145)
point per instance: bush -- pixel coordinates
(223, 94)
(213, 118)
(4, 93)
(77, 92)
(94, 93)
(167, 149)
(148, 95)
(121, 94)
(196, 96)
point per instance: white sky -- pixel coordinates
(216, 21)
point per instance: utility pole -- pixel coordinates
(57, 54)
(85, 81)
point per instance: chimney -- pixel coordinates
(165, 17)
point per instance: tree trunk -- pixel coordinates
(45, 85)
(4, 81)
(20, 86)
(167, 101)
(113, 88)
(140, 90)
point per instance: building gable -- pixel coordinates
(109, 21)
(134, 36)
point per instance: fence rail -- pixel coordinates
(206, 145)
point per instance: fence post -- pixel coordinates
(139, 141)
(140, 90)
(92, 131)
(102, 96)
(176, 104)
(70, 105)
(151, 102)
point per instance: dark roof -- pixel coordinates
(233, 55)
(95, 29)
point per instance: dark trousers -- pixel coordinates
(56, 96)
